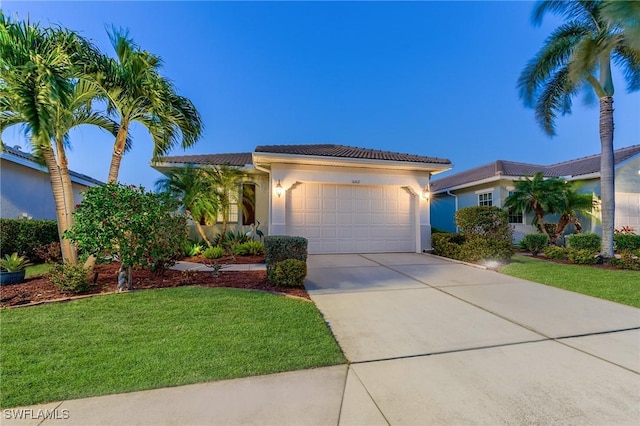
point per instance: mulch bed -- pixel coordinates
(39, 289)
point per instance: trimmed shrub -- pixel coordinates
(24, 236)
(626, 241)
(250, 248)
(70, 278)
(215, 252)
(164, 246)
(534, 243)
(484, 221)
(477, 249)
(288, 273)
(629, 259)
(588, 241)
(447, 244)
(282, 247)
(486, 232)
(555, 252)
(49, 253)
(583, 256)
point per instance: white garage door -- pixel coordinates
(352, 218)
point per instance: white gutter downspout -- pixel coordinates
(268, 172)
(455, 197)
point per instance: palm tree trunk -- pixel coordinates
(118, 151)
(202, 233)
(225, 214)
(68, 250)
(607, 186)
(540, 216)
(562, 224)
(67, 189)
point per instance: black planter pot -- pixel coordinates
(7, 278)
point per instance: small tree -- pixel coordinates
(227, 181)
(137, 227)
(538, 195)
(194, 190)
(572, 203)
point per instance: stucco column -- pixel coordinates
(278, 225)
(424, 215)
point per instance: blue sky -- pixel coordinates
(428, 78)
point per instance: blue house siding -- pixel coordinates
(443, 209)
(499, 177)
(628, 177)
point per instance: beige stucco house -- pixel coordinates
(342, 199)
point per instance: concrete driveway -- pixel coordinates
(436, 342)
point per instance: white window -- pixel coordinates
(233, 209)
(485, 199)
(514, 215)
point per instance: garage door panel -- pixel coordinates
(345, 219)
(329, 218)
(352, 218)
(329, 232)
(376, 219)
(361, 205)
(329, 204)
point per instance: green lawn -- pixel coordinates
(616, 285)
(40, 269)
(155, 338)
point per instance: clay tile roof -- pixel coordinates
(342, 151)
(29, 157)
(571, 168)
(236, 159)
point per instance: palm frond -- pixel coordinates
(585, 11)
(556, 53)
(555, 98)
(628, 59)
(584, 60)
(626, 16)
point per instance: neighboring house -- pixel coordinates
(490, 184)
(25, 187)
(342, 199)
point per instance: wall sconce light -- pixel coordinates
(425, 193)
(279, 189)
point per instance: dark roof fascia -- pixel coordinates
(565, 169)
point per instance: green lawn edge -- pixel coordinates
(156, 338)
(619, 286)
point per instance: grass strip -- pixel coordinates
(155, 338)
(616, 285)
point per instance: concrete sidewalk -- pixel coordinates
(429, 342)
(199, 267)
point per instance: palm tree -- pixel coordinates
(572, 203)
(194, 188)
(42, 87)
(138, 93)
(576, 57)
(538, 195)
(227, 181)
